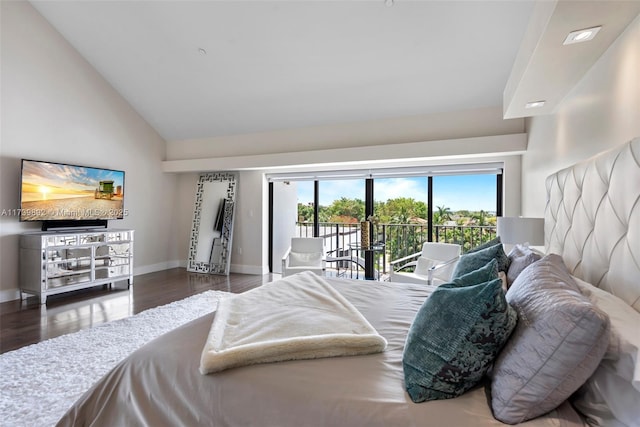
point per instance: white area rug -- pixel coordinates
(38, 383)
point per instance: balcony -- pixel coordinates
(399, 241)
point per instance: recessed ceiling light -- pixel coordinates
(534, 104)
(581, 35)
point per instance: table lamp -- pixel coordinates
(514, 230)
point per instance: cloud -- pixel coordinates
(392, 188)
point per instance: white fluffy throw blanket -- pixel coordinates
(298, 317)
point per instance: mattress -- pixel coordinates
(160, 384)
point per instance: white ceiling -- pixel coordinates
(545, 68)
(273, 65)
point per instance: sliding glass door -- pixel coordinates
(408, 206)
(401, 213)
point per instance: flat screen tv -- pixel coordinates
(63, 195)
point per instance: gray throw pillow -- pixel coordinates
(556, 346)
(454, 338)
(520, 257)
(475, 260)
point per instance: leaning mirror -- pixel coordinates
(212, 229)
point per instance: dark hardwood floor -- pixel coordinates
(27, 322)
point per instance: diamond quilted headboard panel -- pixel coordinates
(592, 219)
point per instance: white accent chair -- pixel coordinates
(304, 254)
(432, 266)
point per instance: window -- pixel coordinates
(464, 209)
(453, 203)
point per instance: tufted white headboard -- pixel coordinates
(592, 219)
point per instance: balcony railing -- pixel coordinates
(400, 239)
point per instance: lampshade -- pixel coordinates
(514, 230)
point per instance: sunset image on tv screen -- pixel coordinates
(53, 191)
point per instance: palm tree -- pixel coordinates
(481, 217)
(444, 213)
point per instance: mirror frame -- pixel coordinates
(226, 236)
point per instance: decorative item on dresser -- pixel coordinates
(54, 262)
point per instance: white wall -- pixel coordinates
(601, 112)
(285, 202)
(185, 205)
(56, 107)
(444, 126)
(251, 231)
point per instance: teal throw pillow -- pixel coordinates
(485, 245)
(454, 339)
(475, 260)
(485, 273)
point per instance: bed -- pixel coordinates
(161, 383)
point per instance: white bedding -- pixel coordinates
(160, 384)
(299, 317)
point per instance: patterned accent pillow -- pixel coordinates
(475, 260)
(484, 274)
(454, 339)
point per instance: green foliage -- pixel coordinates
(444, 214)
(305, 212)
(401, 210)
(403, 222)
(347, 208)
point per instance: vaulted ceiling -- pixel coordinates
(200, 69)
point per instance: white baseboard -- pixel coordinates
(249, 269)
(9, 295)
(152, 268)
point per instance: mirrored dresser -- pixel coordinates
(57, 262)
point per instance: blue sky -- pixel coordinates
(471, 192)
